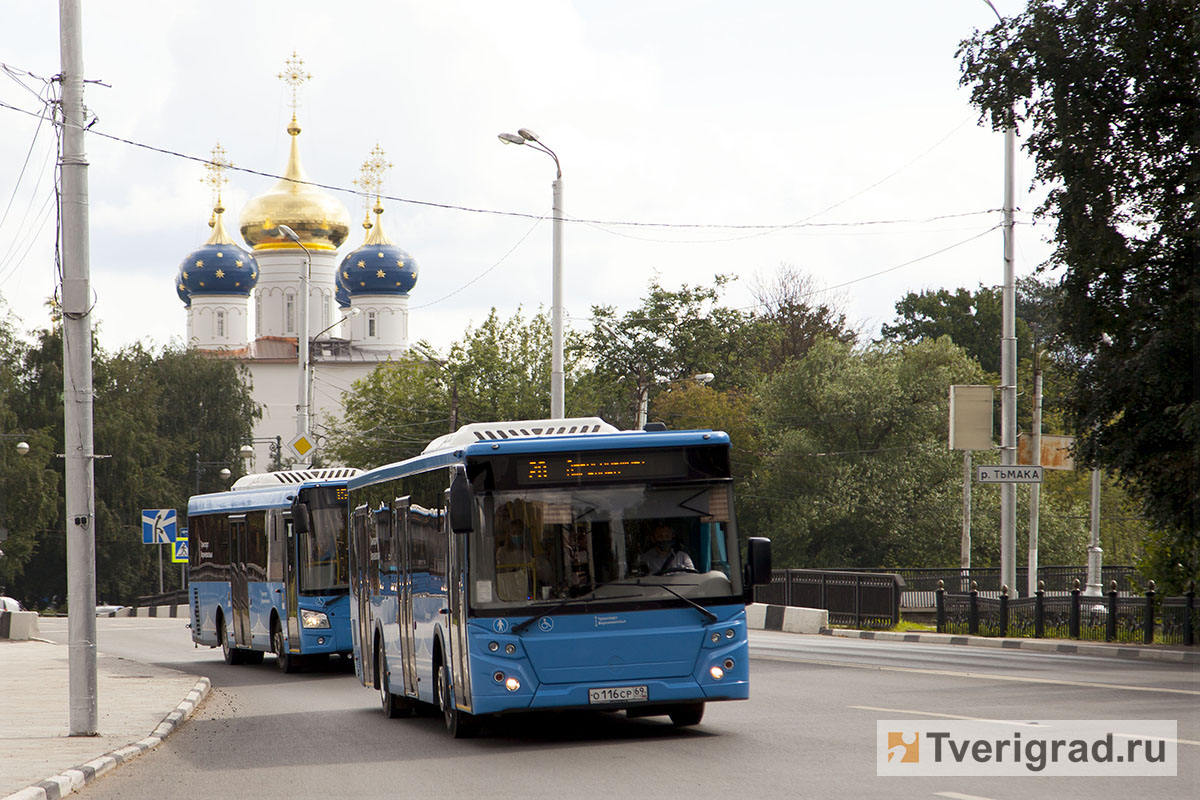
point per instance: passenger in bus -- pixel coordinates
(666, 554)
(545, 563)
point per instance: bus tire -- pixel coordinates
(286, 662)
(687, 714)
(459, 724)
(393, 705)
(233, 655)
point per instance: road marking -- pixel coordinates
(1001, 721)
(960, 796)
(984, 676)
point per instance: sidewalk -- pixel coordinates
(139, 705)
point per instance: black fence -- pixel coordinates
(921, 583)
(861, 599)
(1113, 617)
(179, 597)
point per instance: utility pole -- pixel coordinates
(77, 382)
(1035, 490)
(1008, 377)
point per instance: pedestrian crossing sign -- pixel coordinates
(179, 552)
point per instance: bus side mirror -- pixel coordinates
(462, 503)
(301, 521)
(758, 561)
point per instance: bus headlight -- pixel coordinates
(512, 684)
(313, 619)
(717, 673)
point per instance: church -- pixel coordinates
(248, 302)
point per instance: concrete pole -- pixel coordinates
(1008, 378)
(77, 383)
(1095, 556)
(1035, 490)
(557, 381)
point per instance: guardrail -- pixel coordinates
(922, 582)
(861, 599)
(1113, 617)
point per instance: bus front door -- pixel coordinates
(360, 566)
(239, 589)
(404, 591)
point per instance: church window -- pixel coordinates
(289, 313)
(372, 325)
(220, 324)
(258, 315)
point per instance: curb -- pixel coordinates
(1039, 645)
(58, 786)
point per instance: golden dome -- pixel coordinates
(320, 220)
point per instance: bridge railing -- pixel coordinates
(861, 599)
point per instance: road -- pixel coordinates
(808, 731)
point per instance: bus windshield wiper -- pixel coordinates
(710, 615)
(571, 600)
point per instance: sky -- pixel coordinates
(836, 131)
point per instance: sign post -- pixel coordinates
(159, 526)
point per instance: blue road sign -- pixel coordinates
(179, 551)
(158, 525)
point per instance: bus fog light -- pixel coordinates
(729, 633)
(320, 640)
(493, 646)
(716, 637)
(717, 673)
(510, 648)
(512, 684)
(728, 663)
(498, 677)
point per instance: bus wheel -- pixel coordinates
(231, 653)
(689, 714)
(393, 705)
(459, 724)
(283, 659)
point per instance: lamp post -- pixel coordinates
(701, 379)
(1008, 366)
(557, 380)
(22, 448)
(308, 389)
(302, 335)
(275, 447)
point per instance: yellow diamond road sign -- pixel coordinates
(302, 445)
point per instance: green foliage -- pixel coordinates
(152, 413)
(1106, 92)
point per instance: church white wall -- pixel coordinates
(218, 322)
(277, 298)
(276, 387)
(382, 324)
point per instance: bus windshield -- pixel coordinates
(547, 545)
(321, 554)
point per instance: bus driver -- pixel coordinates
(665, 554)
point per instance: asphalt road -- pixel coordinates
(808, 730)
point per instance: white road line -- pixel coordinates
(983, 675)
(960, 796)
(1001, 721)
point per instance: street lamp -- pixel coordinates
(275, 447)
(302, 335)
(557, 381)
(701, 379)
(1008, 365)
(308, 387)
(22, 448)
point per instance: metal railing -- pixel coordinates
(922, 582)
(861, 599)
(1113, 617)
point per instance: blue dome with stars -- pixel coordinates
(377, 266)
(217, 267)
(342, 295)
(181, 290)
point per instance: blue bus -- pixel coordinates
(267, 567)
(555, 564)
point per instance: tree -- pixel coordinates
(1108, 95)
(972, 320)
(790, 322)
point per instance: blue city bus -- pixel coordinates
(512, 567)
(267, 567)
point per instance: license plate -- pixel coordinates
(619, 694)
